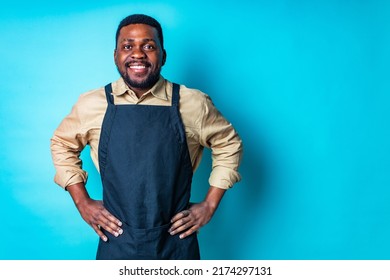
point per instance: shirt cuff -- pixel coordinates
(223, 177)
(70, 178)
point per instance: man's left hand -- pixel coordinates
(191, 220)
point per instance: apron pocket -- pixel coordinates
(148, 244)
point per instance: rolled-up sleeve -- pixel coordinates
(225, 144)
(66, 145)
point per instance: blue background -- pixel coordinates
(306, 84)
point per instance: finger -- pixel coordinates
(110, 223)
(99, 232)
(111, 217)
(180, 215)
(110, 226)
(189, 232)
(181, 225)
(181, 222)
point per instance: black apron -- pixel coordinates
(146, 173)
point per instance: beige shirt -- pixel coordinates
(204, 126)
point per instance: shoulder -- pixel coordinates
(194, 105)
(194, 101)
(198, 101)
(92, 100)
(91, 95)
(90, 108)
(194, 96)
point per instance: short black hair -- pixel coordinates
(140, 19)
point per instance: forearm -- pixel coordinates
(213, 198)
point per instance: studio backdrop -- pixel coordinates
(306, 84)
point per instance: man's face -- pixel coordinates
(139, 56)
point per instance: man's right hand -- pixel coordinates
(94, 212)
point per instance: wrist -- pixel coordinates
(78, 193)
(211, 205)
(213, 198)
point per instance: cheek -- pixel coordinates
(116, 61)
(119, 59)
(158, 61)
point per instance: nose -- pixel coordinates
(138, 53)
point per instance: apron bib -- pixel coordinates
(146, 173)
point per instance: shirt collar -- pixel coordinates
(119, 87)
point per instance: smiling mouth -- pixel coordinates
(137, 66)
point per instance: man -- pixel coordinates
(146, 136)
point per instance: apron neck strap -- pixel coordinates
(175, 94)
(108, 90)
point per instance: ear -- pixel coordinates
(115, 53)
(164, 58)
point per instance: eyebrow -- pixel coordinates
(143, 40)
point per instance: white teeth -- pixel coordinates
(137, 67)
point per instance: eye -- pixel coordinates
(149, 47)
(127, 47)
